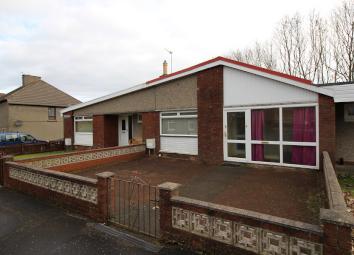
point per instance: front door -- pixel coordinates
(236, 135)
(123, 130)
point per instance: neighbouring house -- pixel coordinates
(34, 108)
(343, 95)
(221, 110)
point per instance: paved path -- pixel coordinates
(29, 226)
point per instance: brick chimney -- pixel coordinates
(27, 79)
(165, 68)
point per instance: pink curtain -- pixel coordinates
(257, 133)
(304, 130)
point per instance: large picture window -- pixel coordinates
(284, 135)
(83, 124)
(179, 124)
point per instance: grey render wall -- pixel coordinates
(179, 94)
(344, 136)
(4, 116)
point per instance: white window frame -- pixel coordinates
(174, 115)
(82, 119)
(248, 141)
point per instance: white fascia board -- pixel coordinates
(104, 98)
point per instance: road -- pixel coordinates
(29, 226)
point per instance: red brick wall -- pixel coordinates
(105, 131)
(327, 126)
(69, 126)
(210, 115)
(74, 167)
(209, 246)
(151, 127)
(91, 210)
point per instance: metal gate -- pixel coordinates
(134, 205)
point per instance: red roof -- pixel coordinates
(257, 68)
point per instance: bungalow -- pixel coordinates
(220, 110)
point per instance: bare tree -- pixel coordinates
(316, 48)
(342, 42)
(260, 55)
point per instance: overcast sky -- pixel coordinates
(92, 48)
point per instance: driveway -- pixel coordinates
(291, 193)
(29, 226)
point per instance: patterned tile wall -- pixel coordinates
(79, 191)
(258, 240)
(85, 156)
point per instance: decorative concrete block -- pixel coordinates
(200, 224)
(222, 230)
(180, 219)
(274, 243)
(246, 237)
(299, 246)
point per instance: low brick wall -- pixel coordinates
(76, 161)
(336, 221)
(217, 229)
(86, 196)
(333, 189)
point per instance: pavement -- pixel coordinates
(29, 226)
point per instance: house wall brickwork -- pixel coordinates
(327, 125)
(210, 115)
(151, 127)
(105, 131)
(69, 126)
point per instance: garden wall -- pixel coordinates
(216, 229)
(86, 196)
(75, 161)
(17, 149)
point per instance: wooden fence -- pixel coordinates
(18, 149)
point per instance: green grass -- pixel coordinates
(39, 155)
(347, 183)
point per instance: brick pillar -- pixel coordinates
(3, 175)
(327, 126)
(151, 127)
(210, 115)
(104, 195)
(69, 126)
(337, 232)
(105, 131)
(166, 191)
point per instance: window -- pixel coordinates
(179, 124)
(279, 135)
(265, 128)
(140, 118)
(83, 124)
(299, 132)
(349, 112)
(52, 113)
(27, 138)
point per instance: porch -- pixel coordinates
(108, 130)
(295, 194)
